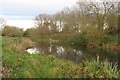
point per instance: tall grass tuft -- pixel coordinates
(98, 69)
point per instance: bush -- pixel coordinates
(12, 31)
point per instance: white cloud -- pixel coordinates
(25, 24)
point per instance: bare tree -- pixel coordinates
(40, 19)
(2, 23)
(99, 10)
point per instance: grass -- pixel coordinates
(16, 65)
(46, 37)
(41, 66)
(17, 44)
(36, 66)
(98, 69)
(66, 39)
(80, 39)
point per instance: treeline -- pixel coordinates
(87, 18)
(94, 22)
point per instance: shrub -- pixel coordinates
(12, 31)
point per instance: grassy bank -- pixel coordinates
(16, 65)
(42, 66)
(17, 44)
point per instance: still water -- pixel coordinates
(74, 54)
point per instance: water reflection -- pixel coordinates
(50, 48)
(59, 51)
(33, 50)
(74, 54)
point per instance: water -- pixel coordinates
(74, 54)
(33, 50)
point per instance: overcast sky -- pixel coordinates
(21, 12)
(28, 9)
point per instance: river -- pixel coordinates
(74, 54)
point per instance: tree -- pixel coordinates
(97, 19)
(30, 32)
(45, 24)
(98, 10)
(112, 20)
(40, 19)
(2, 23)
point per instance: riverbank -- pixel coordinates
(109, 43)
(17, 44)
(16, 65)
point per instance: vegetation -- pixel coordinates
(51, 67)
(12, 31)
(41, 66)
(86, 24)
(16, 65)
(17, 44)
